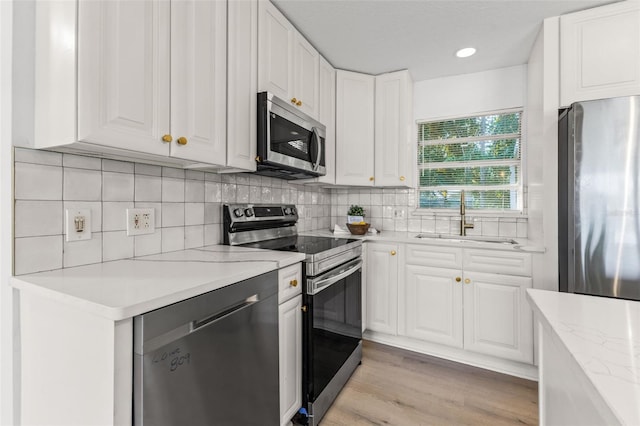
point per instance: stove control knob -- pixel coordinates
(293, 210)
(287, 210)
(238, 213)
(248, 212)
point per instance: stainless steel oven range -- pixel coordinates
(332, 295)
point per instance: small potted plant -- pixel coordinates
(355, 214)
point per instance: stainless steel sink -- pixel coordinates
(474, 238)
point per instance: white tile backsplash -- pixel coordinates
(34, 156)
(173, 190)
(194, 191)
(83, 252)
(38, 182)
(82, 185)
(117, 166)
(114, 215)
(81, 162)
(172, 239)
(37, 254)
(38, 218)
(116, 245)
(117, 186)
(194, 214)
(148, 244)
(148, 188)
(172, 214)
(193, 236)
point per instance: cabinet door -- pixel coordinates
(327, 116)
(290, 341)
(497, 318)
(242, 86)
(306, 61)
(275, 51)
(433, 304)
(123, 74)
(382, 288)
(393, 136)
(600, 53)
(354, 128)
(198, 80)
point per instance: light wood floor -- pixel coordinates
(398, 387)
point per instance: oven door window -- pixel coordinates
(291, 140)
(336, 329)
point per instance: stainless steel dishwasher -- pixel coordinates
(210, 360)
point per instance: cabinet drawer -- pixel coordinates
(438, 256)
(497, 262)
(289, 282)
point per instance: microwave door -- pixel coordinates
(289, 143)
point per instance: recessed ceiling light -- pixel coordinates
(466, 52)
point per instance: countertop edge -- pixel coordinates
(594, 390)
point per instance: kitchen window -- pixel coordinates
(479, 154)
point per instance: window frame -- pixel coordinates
(521, 187)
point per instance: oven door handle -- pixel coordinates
(316, 286)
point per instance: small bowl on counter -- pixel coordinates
(357, 228)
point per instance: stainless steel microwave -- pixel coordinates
(291, 145)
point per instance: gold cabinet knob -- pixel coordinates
(293, 283)
(304, 308)
(167, 138)
(402, 178)
(393, 252)
(294, 101)
(467, 280)
(299, 103)
(371, 178)
(458, 279)
(182, 140)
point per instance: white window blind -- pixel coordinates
(479, 154)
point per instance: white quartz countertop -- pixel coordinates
(124, 288)
(603, 336)
(522, 245)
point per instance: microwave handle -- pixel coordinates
(318, 148)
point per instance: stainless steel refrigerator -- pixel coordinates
(599, 196)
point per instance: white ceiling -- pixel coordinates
(377, 36)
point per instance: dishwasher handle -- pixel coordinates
(315, 286)
(212, 319)
(195, 325)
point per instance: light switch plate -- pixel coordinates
(141, 221)
(77, 224)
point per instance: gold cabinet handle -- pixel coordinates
(293, 283)
(467, 280)
(167, 138)
(182, 140)
(304, 308)
(458, 279)
(393, 252)
(371, 178)
(402, 178)
(294, 101)
(299, 103)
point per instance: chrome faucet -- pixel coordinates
(463, 220)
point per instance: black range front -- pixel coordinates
(332, 295)
(332, 334)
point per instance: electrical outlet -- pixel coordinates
(77, 224)
(140, 221)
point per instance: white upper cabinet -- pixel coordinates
(288, 64)
(138, 79)
(380, 106)
(198, 80)
(394, 142)
(275, 51)
(242, 64)
(123, 69)
(600, 53)
(327, 116)
(354, 128)
(306, 76)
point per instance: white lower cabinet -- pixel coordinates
(382, 288)
(432, 305)
(435, 294)
(290, 341)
